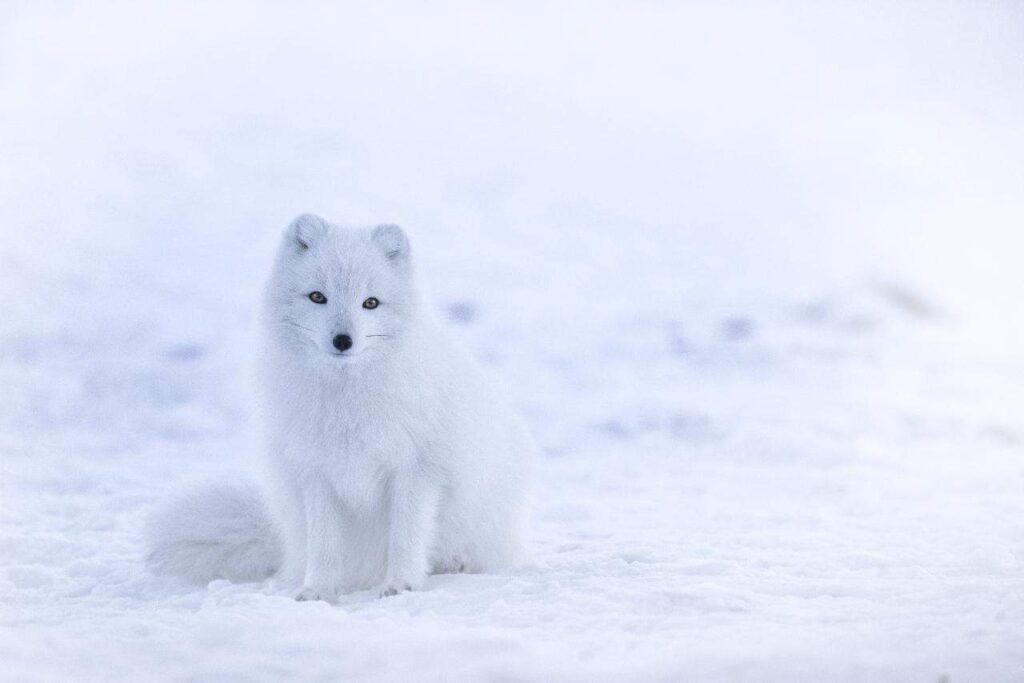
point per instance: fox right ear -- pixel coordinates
(305, 230)
(392, 240)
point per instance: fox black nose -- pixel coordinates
(342, 342)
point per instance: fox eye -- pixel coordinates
(317, 298)
(371, 303)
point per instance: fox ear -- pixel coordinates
(305, 230)
(392, 240)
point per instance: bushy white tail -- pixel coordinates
(221, 531)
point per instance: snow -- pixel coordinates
(750, 271)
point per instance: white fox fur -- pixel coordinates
(388, 460)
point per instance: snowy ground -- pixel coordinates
(750, 272)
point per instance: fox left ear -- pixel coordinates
(392, 240)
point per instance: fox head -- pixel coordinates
(345, 294)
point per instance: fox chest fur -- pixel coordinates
(358, 434)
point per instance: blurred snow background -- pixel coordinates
(750, 270)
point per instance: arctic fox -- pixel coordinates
(388, 455)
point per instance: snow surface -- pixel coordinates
(751, 272)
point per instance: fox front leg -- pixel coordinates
(411, 526)
(323, 543)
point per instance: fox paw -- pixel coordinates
(310, 594)
(452, 565)
(394, 588)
